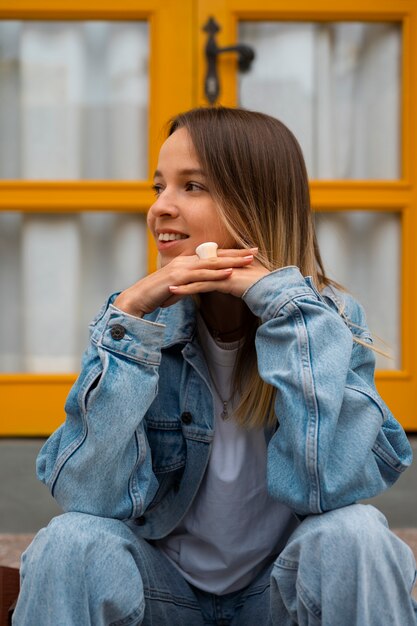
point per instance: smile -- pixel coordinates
(171, 236)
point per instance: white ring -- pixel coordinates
(207, 250)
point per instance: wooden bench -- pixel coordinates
(9, 591)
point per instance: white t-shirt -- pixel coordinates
(233, 527)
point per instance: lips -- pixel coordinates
(168, 238)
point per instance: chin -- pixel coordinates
(167, 255)
(164, 259)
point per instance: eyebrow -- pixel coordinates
(186, 172)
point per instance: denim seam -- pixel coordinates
(166, 469)
(93, 374)
(306, 600)
(161, 424)
(199, 436)
(65, 455)
(135, 615)
(156, 594)
(285, 564)
(385, 456)
(72, 447)
(372, 396)
(134, 493)
(310, 283)
(78, 441)
(255, 591)
(128, 355)
(291, 299)
(311, 451)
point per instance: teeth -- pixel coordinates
(170, 236)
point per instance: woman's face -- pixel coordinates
(184, 213)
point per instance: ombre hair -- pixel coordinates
(256, 174)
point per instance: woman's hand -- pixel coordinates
(239, 279)
(232, 271)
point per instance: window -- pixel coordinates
(85, 93)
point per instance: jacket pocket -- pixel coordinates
(167, 444)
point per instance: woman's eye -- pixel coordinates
(157, 189)
(194, 187)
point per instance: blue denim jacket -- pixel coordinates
(139, 424)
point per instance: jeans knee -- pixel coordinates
(356, 525)
(84, 569)
(346, 558)
(351, 523)
(70, 532)
(339, 535)
(70, 537)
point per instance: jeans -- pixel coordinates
(340, 568)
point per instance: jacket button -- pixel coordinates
(118, 332)
(186, 417)
(140, 521)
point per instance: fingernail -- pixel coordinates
(255, 248)
(250, 256)
(172, 288)
(229, 269)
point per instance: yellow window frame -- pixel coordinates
(397, 387)
(33, 404)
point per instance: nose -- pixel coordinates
(165, 204)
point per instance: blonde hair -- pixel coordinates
(257, 175)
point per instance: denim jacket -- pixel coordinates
(139, 426)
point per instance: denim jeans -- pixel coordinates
(340, 568)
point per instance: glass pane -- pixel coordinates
(74, 100)
(57, 270)
(337, 86)
(362, 251)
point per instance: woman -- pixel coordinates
(225, 421)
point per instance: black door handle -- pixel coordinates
(246, 54)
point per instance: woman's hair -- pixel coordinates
(256, 173)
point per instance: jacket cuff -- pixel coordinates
(270, 293)
(129, 336)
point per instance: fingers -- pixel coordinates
(199, 287)
(205, 275)
(236, 252)
(236, 282)
(222, 262)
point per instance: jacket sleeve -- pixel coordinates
(98, 461)
(337, 441)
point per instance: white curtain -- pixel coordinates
(337, 86)
(362, 251)
(55, 272)
(74, 100)
(73, 105)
